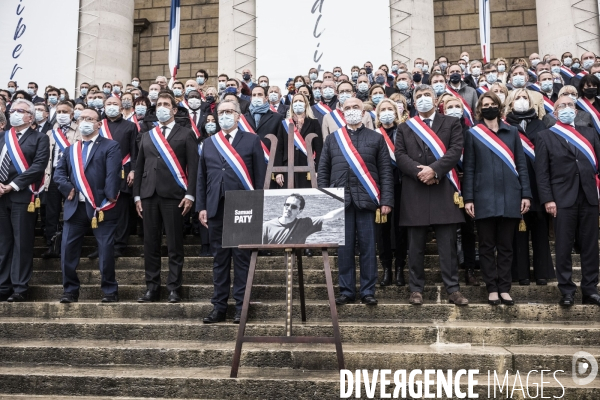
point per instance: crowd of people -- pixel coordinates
(501, 154)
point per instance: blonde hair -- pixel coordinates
(567, 87)
(307, 110)
(378, 111)
(397, 97)
(450, 98)
(502, 87)
(511, 98)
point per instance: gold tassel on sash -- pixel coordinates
(122, 174)
(378, 216)
(100, 216)
(308, 176)
(272, 176)
(94, 223)
(37, 202)
(31, 207)
(383, 218)
(458, 200)
(522, 226)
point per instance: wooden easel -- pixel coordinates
(293, 258)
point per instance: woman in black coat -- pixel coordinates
(495, 194)
(520, 113)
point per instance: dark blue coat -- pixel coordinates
(489, 183)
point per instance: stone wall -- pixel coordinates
(513, 34)
(198, 39)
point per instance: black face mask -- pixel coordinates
(455, 77)
(369, 70)
(490, 113)
(590, 93)
(417, 77)
(210, 99)
(246, 77)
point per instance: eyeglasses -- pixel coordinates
(19, 110)
(226, 112)
(565, 105)
(87, 119)
(292, 206)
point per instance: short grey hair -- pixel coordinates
(29, 104)
(236, 106)
(422, 87)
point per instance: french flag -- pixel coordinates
(484, 29)
(174, 39)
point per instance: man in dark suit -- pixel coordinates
(17, 212)
(164, 190)
(199, 110)
(427, 194)
(41, 118)
(247, 76)
(52, 98)
(215, 177)
(275, 100)
(566, 180)
(32, 89)
(101, 159)
(124, 132)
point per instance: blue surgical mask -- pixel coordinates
(299, 107)
(116, 89)
(226, 121)
(200, 80)
(518, 81)
(362, 87)
(62, 97)
(328, 93)
(566, 115)
(140, 110)
(317, 94)
(491, 78)
(380, 80)
(111, 111)
(11, 90)
(546, 86)
(86, 128)
(177, 92)
(98, 103)
(83, 91)
(343, 97)
(31, 92)
(135, 83)
(298, 84)
(439, 88)
(587, 64)
(424, 104)
(402, 85)
(313, 77)
(257, 101)
(52, 99)
(568, 61)
(16, 119)
(377, 98)
(555, 69)
(454, 112)
(273, 97)
(387, 117)
(501, 68)
(576, 65)
(106, 90)
(163, 114)
(337, 74)
(210, 127)
(76, 114)
(188, 90)
(355, 75)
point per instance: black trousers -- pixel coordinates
(498, 233)
(446, 242)
(581, 218)
(159, 212)
(17, 228)
(384, 235)
(538, 224)
(467, 232)
(222, 265)
(54, 202)
(123, 231)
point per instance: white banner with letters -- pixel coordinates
(38, 43)
(294, 36)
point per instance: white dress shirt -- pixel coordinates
(93, 140)
(5, 150)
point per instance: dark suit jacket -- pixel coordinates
(215, 175)
(36, 149)
(152, 175)
(103, 172)
(489, 183)
(420, 204)
(47, 126)
(37, 99)
(244, 105)
(125, 133)
(562, 169)
(282, 109)
(270, 122)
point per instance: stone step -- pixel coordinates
(254, 383)
(34, 397)
(315, 311)
(395, 333)
(431, 293)
(204, 275)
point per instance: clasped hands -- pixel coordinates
(4, 189)
(427, 175)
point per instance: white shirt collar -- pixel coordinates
(232, 134)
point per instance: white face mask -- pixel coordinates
(501, 96)
(273, 97)
(424, 104)
(521, 105)
(353, 117)
(454, 112)
(194, 103)
(63, 119)
(153, 95)
(257, 101)
(39, 115)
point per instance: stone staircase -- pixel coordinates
(95, 351)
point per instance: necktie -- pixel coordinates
(164, 130)
(427, 121)
(6, 164)
(84, 153)
(228, 137)
(194, 116)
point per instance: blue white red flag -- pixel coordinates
(174, 40)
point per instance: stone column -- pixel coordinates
(237, 36)
(568, 25)
(412, 30)
(105, 41)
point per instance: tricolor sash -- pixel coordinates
(134, 119)
(467, 112)
(497, 146)
(104, 131)
(77, 163)
(125, 160)
(194, 127)
(528, 147)
(356, 162)
(590, 109)
(322, 108)
(389, 144)
(531, 73)
(571, 135)
(60, 139)
(184, 104)
(431, 139)
(548, 104)
(245, 126)
(566, 72)
(233, 159)
(338, 118)
(272, 107)
(299, 141)
(482, 89)
(373, 116)
(582, 73)
(20, 162)
(167, 153)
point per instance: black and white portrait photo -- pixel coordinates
(298, 216)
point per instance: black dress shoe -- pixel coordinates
(591, 299)
(205, 251)
(369, 300)
(110, 298)
(541, 282)
(343, 299)
(237, 317)
(524, 282)
(69, 297)
(308, 252)
(214, 316)
(50, 254)
(118, 253)
(93, 255)
(174, 297)
(151, 296)
(17, 297)
(567, 300)
(510, 302)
